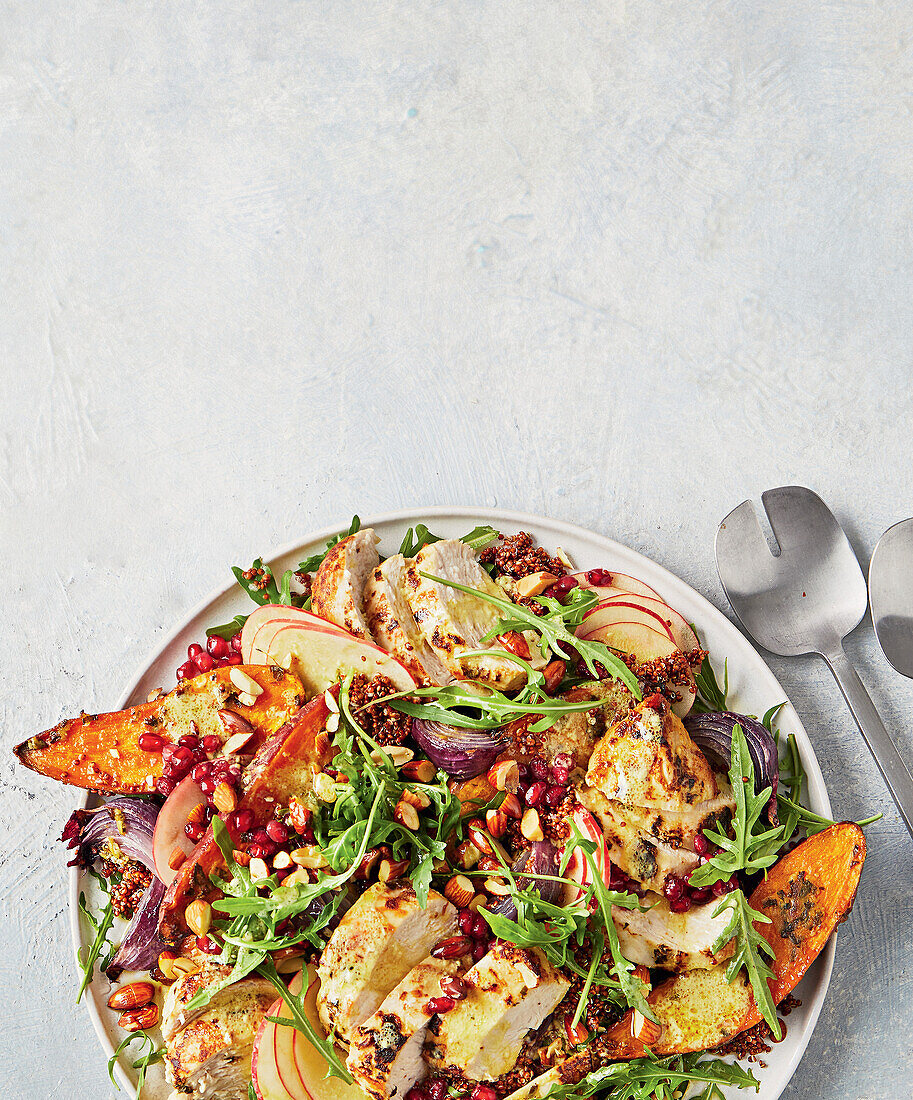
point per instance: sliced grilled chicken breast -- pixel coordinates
(385, 1056)
(639, 854)
(679, 829)
(392, 624)
(511, 990)
(648, 759)
(373, 948)
(453, 622)
(209, 1054)
(338, 588)
(671, 941)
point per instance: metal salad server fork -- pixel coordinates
(805, 599)
(891, 595)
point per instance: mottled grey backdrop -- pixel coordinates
(264, 264)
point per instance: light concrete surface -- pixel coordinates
(265, 264)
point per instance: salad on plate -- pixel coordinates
(460, 822)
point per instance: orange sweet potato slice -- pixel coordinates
(806, 895)
(101, 752)
(284, 767)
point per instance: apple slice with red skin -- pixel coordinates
(169, 827)
(275, 613)
(578, 869)
(318, 656)
(620, 581)
(624, 611)
(285, 1066)
(641, 642)
(675, 625)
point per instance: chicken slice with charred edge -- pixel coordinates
(385, 1056)
(453, 623)
(671, 941)
(337, 591)
(208, 1053)
(393, 626)
(510, 991)
(379, 940)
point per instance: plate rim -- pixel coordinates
(825, 961)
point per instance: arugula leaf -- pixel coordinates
(660, 1078)
(552, 628)
(480, 537)
(251, 1091)
(148, 1056)
(793, 778)
(228, 630)
(710, 696)
(751, 847)
(101, 926)
(750, 949)
(415, 538)
(312, 563)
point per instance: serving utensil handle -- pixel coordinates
(889, 761)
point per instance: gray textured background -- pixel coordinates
(262, 265)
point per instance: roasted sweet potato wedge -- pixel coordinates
(101, 751)
(806, 895)
(284, 766)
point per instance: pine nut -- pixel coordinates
(224, 798)
(505, 776)
(460, 891)
(245, 683)
(198, 916)
(530, 826)
(419, 771)
(406, 814)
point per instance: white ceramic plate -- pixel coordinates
(752, 686)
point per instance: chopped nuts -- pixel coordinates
(330, 699)
(399, 754)
(406, 814)
(390, 870)
(139, 1019)
(258, 869)
(324, 787)
(512, 806)
(369, 861)
(476, 831)
(418, 799)
(246, 700)
(234, 723)
(134, 995)
(166, 965)
(452, 986)
(646, 1031)
(308, 856)
(224, 798)
(332, 723)
(282, 860)
(497, 822)
(467, 855)
(530, 826)
(176, 858)
(477, 903)
(419, 771)
(183, 967)
(198, 916)
(554, 674)
(505, 776)
(156, 693)
(236, 742)
(460, 891)
(291, 965)
(245, 683)
(535, 584)
(297, 878)
(497, 886)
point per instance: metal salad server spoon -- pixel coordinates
(891, 595)
(806, 598)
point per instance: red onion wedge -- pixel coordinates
(712, 733)
(460, 752)
(131, 824)
(540, 859)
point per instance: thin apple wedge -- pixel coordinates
(169, 828)
(626, 610)
(675, 624)
(101, 752)
(605, 579)
(263, 623)
(285, 1065)
(319, 657)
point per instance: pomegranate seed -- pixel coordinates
(208, 784)
(561, 775)
(437, 1090)
(483, 1092)
(194, 830)
(554, 796)
(479, 929)
(416, 1093)
(561, 588)
(203, 662)
(452, 948)
(182, 755)
(217, 647)
(277, 831)
(701, 845)
(210, 947)
(673, 887)
(259, 851)
(234, 659)
(242, 820)
(601, 578)
(680, 905)
(466, 920)
(199, 772)
(165, 785)
(479, 950)
(439, 1005)
(534, 793)
(187, 670)
(189, 741)
(194, 650)
(212, 742)
(452, 986)
(151, 742)
(720, 888)
(539, 768)
(563, 760)
(236, 642)
(702, 896)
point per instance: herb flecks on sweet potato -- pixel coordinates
(284, 766)
(101, 752)
(806, 895)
